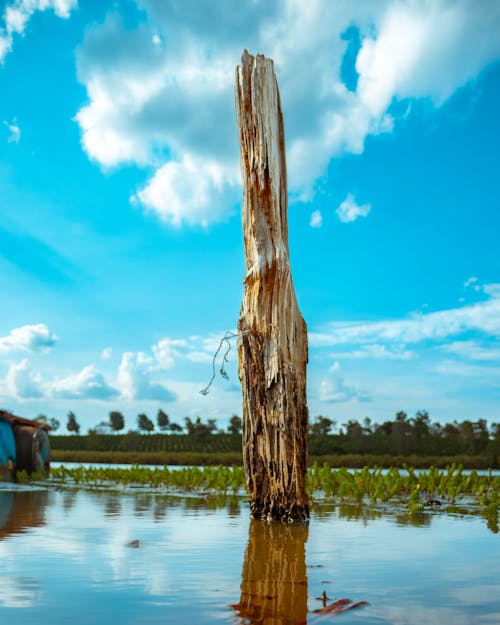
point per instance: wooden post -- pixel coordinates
(272, 335)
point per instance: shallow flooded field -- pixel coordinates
(97, 557)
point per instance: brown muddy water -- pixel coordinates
(89, 558)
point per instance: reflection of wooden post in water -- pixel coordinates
(272, 340)
(274, 580)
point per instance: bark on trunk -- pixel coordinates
(272, 337)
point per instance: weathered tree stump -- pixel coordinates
(272, 337)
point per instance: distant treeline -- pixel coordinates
(403, 436)
(133, 441)
(197, 458)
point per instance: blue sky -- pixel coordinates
(121, 253)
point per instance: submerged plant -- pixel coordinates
(365, 486)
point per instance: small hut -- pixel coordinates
(24, 446)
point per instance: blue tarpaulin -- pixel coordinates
(7, 449)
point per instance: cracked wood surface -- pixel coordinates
(272, 337)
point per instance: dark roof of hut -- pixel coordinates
(15, 420)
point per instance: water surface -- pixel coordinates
(89, 558)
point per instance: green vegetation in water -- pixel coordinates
(210, 479)
(416, 491)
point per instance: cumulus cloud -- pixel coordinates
(22, 383)
(86, 384)
(28, 338)
(426, 49)
(316, 220)
(193, 190)
(482, 316)
(167, 350)
(333, 389)
(17, 14)
(136, 378)
(349, 210)
(195, 349)
(160, 95)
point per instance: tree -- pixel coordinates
(116, 421)
(145, 423)
(495, 431)
(199, 429)
(355, 435)
(162, 420)
(272, 334)
(103, 427)
(42, 418)
(321, 426)
(175, 427)
(401, 433)
(190, 425)
(401, 416)
(481, 435)
(72, 425)
(235, 425)
(466, 429)
(55, 424)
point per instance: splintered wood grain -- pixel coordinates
(272, 338)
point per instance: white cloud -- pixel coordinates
(199, 356)
(28, 338)
(473, 350)
(316, 220)
(198, 349)
(22, 383)
(212, 342)
(333, 389)
(14, 130)
(167, 350)
(17, 14)
(136, 378)
(424, 49)
(486, 376)
(350, 211)
(396, 352)
(192, 190)
(106, 353)
(86, 384)
(473, 283)
(161, 94)
(492, 289)
(482, 316)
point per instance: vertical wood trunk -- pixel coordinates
(272, 337)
